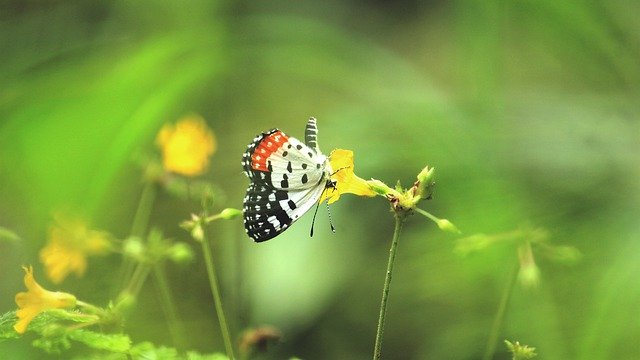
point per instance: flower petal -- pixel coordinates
(346, 181)
(187, 146)
(36, 300)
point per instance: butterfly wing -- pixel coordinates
(269, 211)
(283, 162)
(287, 179)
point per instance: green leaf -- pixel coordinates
(111, 342)
(147, 350)
(55, 342)
(7, 321)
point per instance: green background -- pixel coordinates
(528, 110)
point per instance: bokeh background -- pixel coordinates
(528, 110)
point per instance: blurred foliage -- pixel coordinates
(528, 110)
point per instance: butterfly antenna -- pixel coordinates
(333, 229)
(314, 219)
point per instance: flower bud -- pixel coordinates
(529, 274)
(446, 225)
(230, 213)
(426, 175)
(133, 248)
(180, 253)
(197, 232)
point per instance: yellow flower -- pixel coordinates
(37, 300)
(186, 146)
(346, 181)
(70, 242)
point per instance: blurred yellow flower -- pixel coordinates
(70, 242)
(37, 300)
(186, 146)
(346, 181)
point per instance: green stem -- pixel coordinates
(377, 353)
(137, 279)
(492, 343)
(213, 283)
(169, 306)
(428, 215)
(143, 213)
(138, 227)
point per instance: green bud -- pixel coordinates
(426, 175)
(446, 225)
(197, 232)
(423, 188)
(180, 253)
(133, 248)
(520, 352)
(529, 274)
(230, 213)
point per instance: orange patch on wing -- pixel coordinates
(267, 146)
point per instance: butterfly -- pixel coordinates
(287, 177)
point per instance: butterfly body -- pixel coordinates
(287, 177)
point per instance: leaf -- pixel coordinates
(112, 342)
(7, 321)
(147, 350)
(53, 344)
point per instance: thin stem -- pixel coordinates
(169, 305)
(139, 227)
(143, 213)
(213, 283)
(137, 279)
(377, 352)
(492, 342)
(428, 215)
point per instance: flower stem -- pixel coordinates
(377, 352)
(169, 305)
(138, 228)
(213, 283)
(137, 279)
(492, 342)
(428, 215)
(143, 213)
